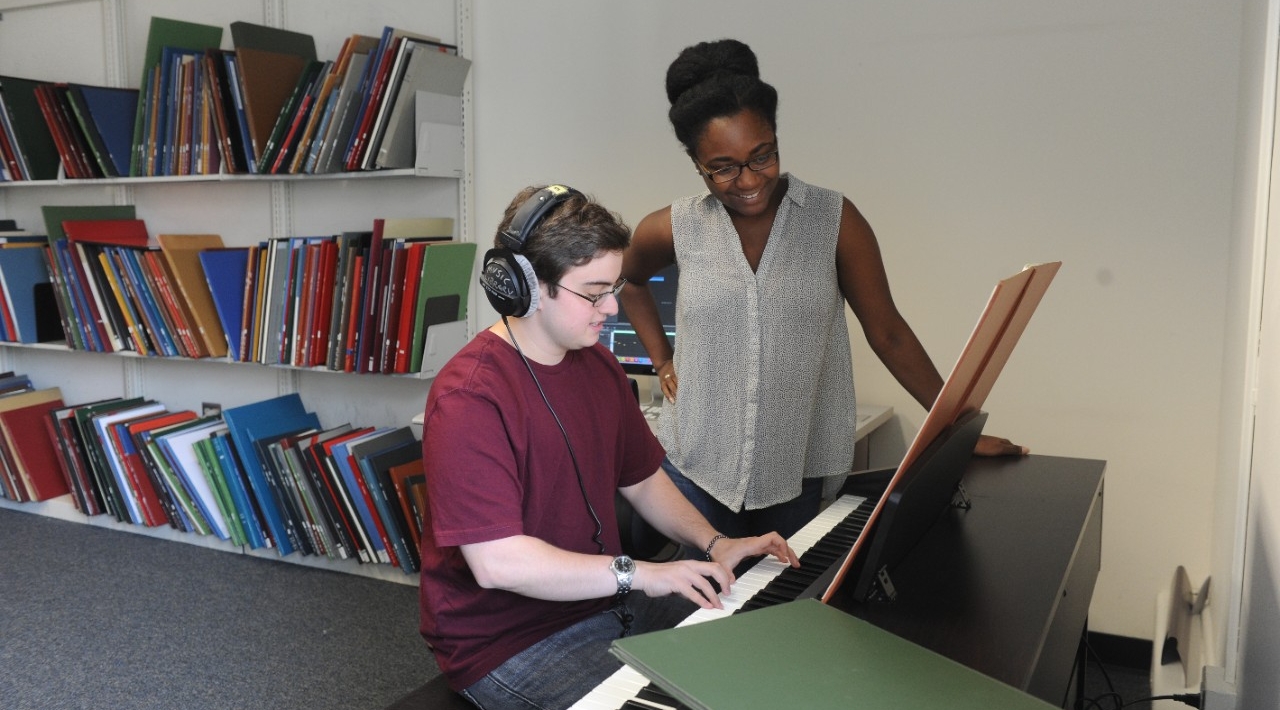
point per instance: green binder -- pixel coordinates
(805, 654)
(442, 293)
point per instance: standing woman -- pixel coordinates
(759, 390)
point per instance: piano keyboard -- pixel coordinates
(819, 544)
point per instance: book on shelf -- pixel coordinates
(270, 62)
(376, 459)
(133, 437)
(332, 497)
(426, 118)
(371, 292)
(31, 310)
(444, 283)
(367, 521)
(403, 50)
(820, 657)
(406, 479)
(274, 151)
(340, 112)
(325, 452)
(211, 468)
(97, 327)
(139, 496)
(381, 79)
(30, 150)
(322, 516)
(223, 102)
(73, 147)
(140, 334)
(88, 497)
(347, 273)
(29, 453)
(178, 447)
(105, 116)
(360, 452)
(311, 137)
(153, 496)
(298, 525)
(178, 309)
(248, 510)
(251, 423)
(149, 120)
(226, 278)
(118, 232)
(184, 255)
(189, 516)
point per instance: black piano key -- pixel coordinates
(823, 554)
(654, 697)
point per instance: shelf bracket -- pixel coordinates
(288, 381)
(135, 378)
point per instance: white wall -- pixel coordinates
(1256, 122)
(976, 137)
(1252, 656)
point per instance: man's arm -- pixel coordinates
(663, 506)
(532, 567)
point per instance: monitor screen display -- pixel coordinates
(620, 337)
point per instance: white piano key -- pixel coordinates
(627, 682)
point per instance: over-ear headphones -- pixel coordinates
(508, 279)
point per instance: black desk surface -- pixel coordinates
(1004, 587)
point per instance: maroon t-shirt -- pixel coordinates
(497, 465)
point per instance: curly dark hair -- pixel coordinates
(710, 80)
(571, 234)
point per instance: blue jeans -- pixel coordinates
(558, 670)
(784, 518)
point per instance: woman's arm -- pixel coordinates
(652, 249)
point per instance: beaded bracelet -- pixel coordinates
(712, 544)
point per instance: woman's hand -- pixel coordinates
(995, 446)
(667, 380)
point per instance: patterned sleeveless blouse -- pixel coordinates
(766, 377)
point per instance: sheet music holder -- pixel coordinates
(923, 483)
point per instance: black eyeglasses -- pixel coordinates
(731, 172)
(597, 298)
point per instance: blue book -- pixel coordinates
(21, 269)
(342, 459)
(374, 456)
(113, 111)
(242, 118)
(226, 273)
(85, 318)
(148, 300)
(245, 507)
(248, 424)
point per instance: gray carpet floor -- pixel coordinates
(98, 618)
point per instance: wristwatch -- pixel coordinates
(624, 568)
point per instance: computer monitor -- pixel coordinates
(620, 336)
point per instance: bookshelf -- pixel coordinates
(244, 209)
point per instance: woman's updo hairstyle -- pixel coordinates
(711, 80)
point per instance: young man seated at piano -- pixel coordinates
(530, 431)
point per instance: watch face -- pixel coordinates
(624, 564)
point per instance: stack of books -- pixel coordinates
(353, 302)
(269, 105)
(261, 475)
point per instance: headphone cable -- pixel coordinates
(582, 486)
